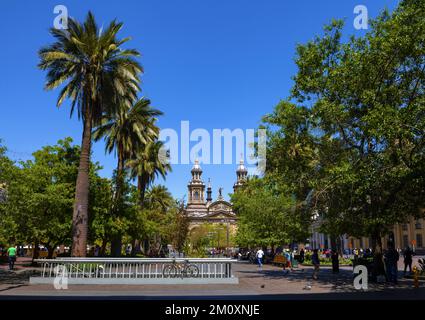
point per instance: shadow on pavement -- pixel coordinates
(338, 283)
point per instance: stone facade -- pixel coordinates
(202, 209)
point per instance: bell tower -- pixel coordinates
(241, 175)
(196, 187)
(209, 192)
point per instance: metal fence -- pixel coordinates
(136, 271)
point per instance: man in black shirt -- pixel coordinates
(407, 254)
(391, 259)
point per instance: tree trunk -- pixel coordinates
(119, 179)
(378, 263)
(141, 187)
(335, 259)
(116, 241)
(133, 247)
(35, 253)
(340, 246)
(146, 246)
(80, 214)
(50, 251)
(116, 246)
(103, 248)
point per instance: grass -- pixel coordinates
(328, 262)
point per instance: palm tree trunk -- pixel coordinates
(141, 186)
(80, 214)
(116, 241)
(120, 177)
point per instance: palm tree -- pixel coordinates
(97, 75)
(147, 166)
(127, 132)
(159, 197)
(158, 202)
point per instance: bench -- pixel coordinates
(279, 260)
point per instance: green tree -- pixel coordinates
(267, 216)
(201, 237)
(179, 227)
(159, 206)
(41, 194)
(148, 165)
(361, 104)
(97, 76)
(127, 132)
(101, 222)
(9, 173)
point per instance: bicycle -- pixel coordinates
(184, 269)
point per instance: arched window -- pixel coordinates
(196, 195)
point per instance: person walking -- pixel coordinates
(367, 253)
(286, 260)
(11, 253)
(128, 250)
(288, 256)
(302, 255)
(96, 251)
(356, 254)
(259, 255)
(391, 259)
(316, 263)
(407, 255)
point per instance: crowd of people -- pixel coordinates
(390, 256)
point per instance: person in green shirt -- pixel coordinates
(11, 252)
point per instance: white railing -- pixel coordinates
(136, 270)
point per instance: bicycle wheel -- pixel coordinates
(192, 271)
(170, 271)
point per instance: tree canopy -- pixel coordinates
(350, 138)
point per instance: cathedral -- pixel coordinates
(201, 208)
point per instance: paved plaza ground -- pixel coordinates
(269, 283)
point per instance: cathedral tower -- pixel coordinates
(241, 175)
(209, 192)
(196, 186)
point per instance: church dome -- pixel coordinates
(241, 167)
(196, 167)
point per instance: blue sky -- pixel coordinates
(218, 64)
